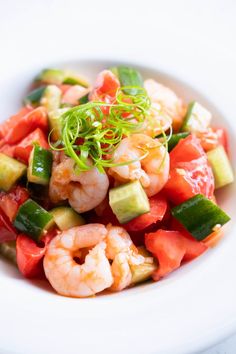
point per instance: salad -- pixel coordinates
(105, 186)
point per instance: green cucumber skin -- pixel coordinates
(184, 127)
(129, 77)
(34, 96)
(32, 219)
(175, 138)
(42, 163)
(199, 215)
(84, 99)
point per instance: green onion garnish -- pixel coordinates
(90, 133)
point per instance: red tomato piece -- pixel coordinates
(7, 231)
(19, 126)
(23, 149)
(29, 255)
(105, 88)
(168, 248)
(171, 248)
(6, 126)
(158, 207)
(190, 173)
(11, 201)
(8, 150)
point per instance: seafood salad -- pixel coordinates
(108, 184)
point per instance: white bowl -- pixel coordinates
(187, 311)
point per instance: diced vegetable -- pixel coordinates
(30, 256)
(128, 77)
(19, 126)
(105, 89)
(51, 76)
(128, 201)
(12, 200)
(33, 220)
(7, 149)
(51, 98)
(175, 138)
(158, 207)
(142, 272)
(11, 171)
(40, 165)
(7, 231)
(54, 123)
(221, 167)
(57, 77)
(7, 124)
(200, 216)
(190, 172)
(8, 250)
(171, 248)
(197, 118)
(23, 149)
(66, 218)
(84, 99)
(72, 78)
(34, 96)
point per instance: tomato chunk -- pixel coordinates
(7, 149)
(158, 207)
(29, 255)
(20, 125)
(11, 201)
(7, 231)
(23, 149)
(190, 173)
(171, 248)
(105, 89)
(6, 126)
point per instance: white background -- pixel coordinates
(141, 31)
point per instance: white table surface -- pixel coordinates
(148, 18)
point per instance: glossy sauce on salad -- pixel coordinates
(105, 186)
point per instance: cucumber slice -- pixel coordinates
(54, 122)
(84, 99)
(40, 165)
(129, 77)
(221, 167)
(197, 118)
(11, 171)
(128, 201)
(51, 98)
(175, 138)
(142, 272)
(57, 77)
(33, 220)
(51, 76)
(34, 97)
(66, 218)
(71, 78)
(8, 250)
(200, 216)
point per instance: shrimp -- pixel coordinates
(69, 278)
(166, 109)
(84, 191)
(73, 94)
(152, 171)
(121, 250)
